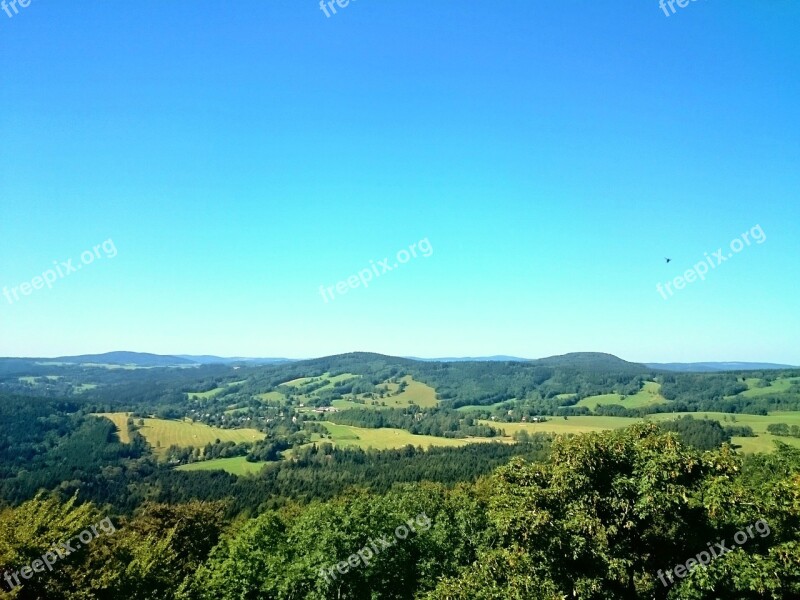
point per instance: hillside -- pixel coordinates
(594, 361)
(139, 359)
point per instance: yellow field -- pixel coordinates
(161, 434)
(381, 439)
(559, 425)
(416, 393)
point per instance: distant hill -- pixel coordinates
(592, 361)
(713, 367)
(139, 359)
(587, 361)
(496, 358)
(206, 359)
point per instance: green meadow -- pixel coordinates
(779, 386)
(648, 395)
(237, 465)
(212, 393)
(759, 423)
(585, 424)
(207, 394)
(582, 424)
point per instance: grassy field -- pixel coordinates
(299, 381)
(762, 443)
(345, 404)
(84, 387)
(214, 392)
(121, 421)
(272, 397)
(32, 380)
(208, 394)
(416, 393)
(649, 394)
(559, 425)
(592, 402)
(382, 439)
(759, 423)
(161, 433)
(779, 386)
(237, 465)
(335, 379)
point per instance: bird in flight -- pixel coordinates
(667, 259)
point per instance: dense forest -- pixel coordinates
(611, 515)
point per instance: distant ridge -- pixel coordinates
(140, 359)
(146, 359)
(593, 361)
(711, 367)
(207, 359)
(496, 358)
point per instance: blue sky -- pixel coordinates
(240, 155)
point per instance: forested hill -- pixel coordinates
(592, 361)
(553, 385)
(472, 383)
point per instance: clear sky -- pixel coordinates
(548, 155)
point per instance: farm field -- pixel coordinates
(416, 392)
(212, 393)
(585, 424)
(385, 438)
(345, 404)
(474, 407)
(592, 402)
(649, 394)
(238, 465)
(582, 424)
(779, 386)
(333, 380)
(272, 397)
(207, 394)
(32, 380)
(759, 423)
(299, 381)
(161, 433)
